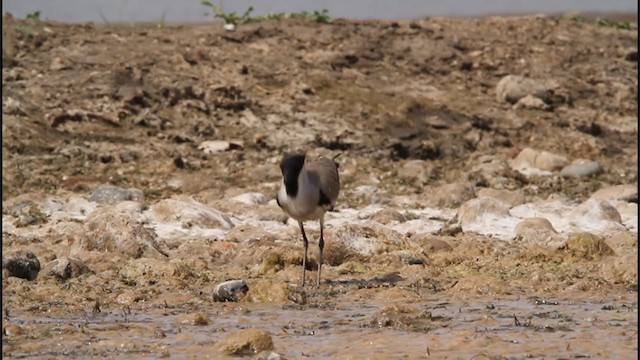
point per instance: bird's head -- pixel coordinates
(292, 163)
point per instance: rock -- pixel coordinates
(65, 268)
(58, 64)
(27, 209)
(269, 291)
(534, 230)
(449, 195)
(183, 217)
(512, 88)
(122, 228)
(249, 233)
(587, 246)
(581, 168)
(129, 298)
(21, 264)
(149, 271)
(245, 342)
(486, 216)
(251, 198)
(481, 285)
(534, 162)
(531, 102)
(268, 355)
(11, 330)
(595, 215)
(215, 146)
(420, 171)
(197, 318)
(387, 216)
(360, 242)
(509, 197)
(230, 290)
(621, 269)
(107, 194)
(432, 245)
(627, 193)
(11, 106)
(407, 257)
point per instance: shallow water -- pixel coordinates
(515, 327)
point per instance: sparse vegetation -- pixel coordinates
(321, 16)
(34, 16)
(624, 25)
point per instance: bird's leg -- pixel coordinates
(321, 247)
(306, 246)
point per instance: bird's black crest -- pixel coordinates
(291, 165)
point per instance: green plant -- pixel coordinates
(321, 16)
(34, 16)
(229, 18)
(624, 25)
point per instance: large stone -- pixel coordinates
(534, 230)
(595, 215)
(109, 194)
(230, 290)
(449, 195)
(588, 246)
(360, 242)
(486, 216)
(21, 264)
(65, 268)
(512, 88)
(627, 192)
(533, 162)
(183, 218)
(245, 342)
(509, 197)
(119, 228)
(581, 168)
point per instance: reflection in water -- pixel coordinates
(192, 10)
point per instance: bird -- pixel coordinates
(309, 188)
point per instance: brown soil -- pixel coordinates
(85, 105)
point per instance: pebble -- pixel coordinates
(215, 146)
(22, 264)
(581, 168)
(531, 102)
(230, 290)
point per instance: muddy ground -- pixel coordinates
(410, 105)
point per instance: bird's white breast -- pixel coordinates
(304, 206)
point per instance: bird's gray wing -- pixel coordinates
(324, 173)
